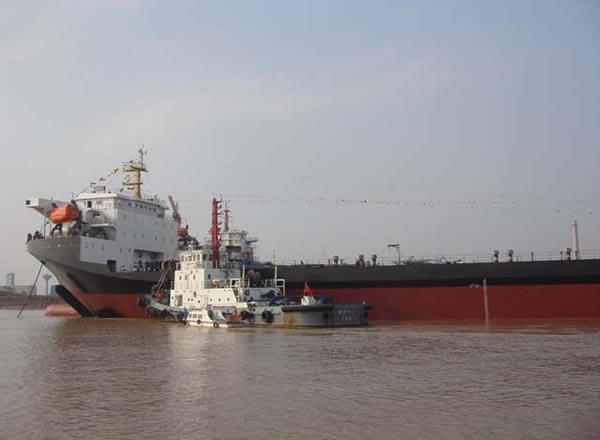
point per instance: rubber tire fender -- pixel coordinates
(267, 316)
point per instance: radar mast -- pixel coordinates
(136, 168)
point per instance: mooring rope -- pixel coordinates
(31, 291)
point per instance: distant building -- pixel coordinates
(10, 286)
(19, 289)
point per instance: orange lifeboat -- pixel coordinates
(61, 310)
(181, 231)
(63, 214)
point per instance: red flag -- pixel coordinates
(307, 290)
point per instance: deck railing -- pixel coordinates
(503, 257)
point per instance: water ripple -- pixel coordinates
(127, 379)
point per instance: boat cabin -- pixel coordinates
(197, 284)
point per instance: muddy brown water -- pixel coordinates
(71, 378)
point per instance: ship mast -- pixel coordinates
(136, 168)
(226, 222)
(215, 232)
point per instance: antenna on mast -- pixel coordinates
(226, 221)
(576, 240)
(136, 168)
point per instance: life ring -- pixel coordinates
(267, 316)
(215, 324)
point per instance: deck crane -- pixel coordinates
(181, 230)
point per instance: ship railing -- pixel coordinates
(66, 234)
(503, 257)
(143, 196)
(101, 220)
(221, 283)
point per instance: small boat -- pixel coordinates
(214, 317)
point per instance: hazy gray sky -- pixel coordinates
(479, 120)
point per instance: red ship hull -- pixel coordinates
(558, 301)
(562, 301)
(123, 305)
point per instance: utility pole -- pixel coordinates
(486, 306)
(47, 277)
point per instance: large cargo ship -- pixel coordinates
(106, 247)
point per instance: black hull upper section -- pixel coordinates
(442, 275)
(61, 256)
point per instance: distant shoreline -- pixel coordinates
(17, 300)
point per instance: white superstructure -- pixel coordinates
(125, 232)
(197, 285)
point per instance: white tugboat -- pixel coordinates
(208, 296)
(219, 296)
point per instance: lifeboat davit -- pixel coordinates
(63, 214)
